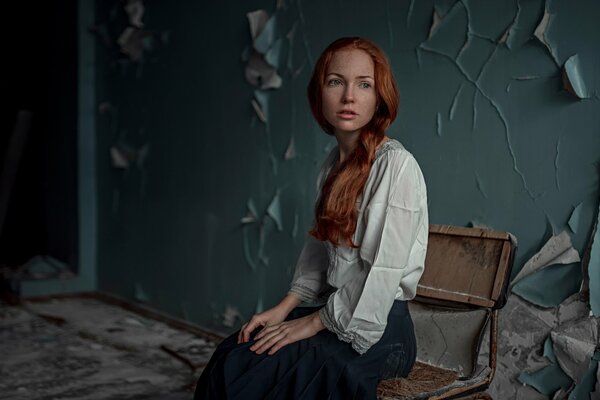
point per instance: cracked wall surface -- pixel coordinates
(207, 177)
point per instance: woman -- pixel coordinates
(360, 263)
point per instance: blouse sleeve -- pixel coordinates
(311, 269)
(310, 275)
(392, 255)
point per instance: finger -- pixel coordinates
(248, 329)
(265, 331)
(272, 340)
(258, 343)
(239, 338)
(279, 345)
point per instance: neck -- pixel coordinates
(347, 142)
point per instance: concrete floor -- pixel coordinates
(86, 348)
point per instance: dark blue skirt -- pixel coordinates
(319, 367)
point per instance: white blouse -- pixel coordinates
(360, 285)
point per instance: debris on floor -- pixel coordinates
(87, 348)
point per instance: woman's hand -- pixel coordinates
(267, 318)
(276, 336)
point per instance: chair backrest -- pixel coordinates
(469, 266)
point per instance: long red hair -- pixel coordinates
(335, 213)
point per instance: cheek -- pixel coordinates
(329, 102)
(370, 102)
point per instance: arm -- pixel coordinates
(310, 274)
(311, 269)
(392, 255)
(308, 281)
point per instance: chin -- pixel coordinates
(346, 129)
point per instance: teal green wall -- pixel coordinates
(87, 196)
(517, 154)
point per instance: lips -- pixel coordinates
(346, 113)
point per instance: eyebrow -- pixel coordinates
(358, 77)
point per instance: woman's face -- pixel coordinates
(349, 97)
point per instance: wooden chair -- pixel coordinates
(464, 284)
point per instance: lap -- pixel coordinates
(320, 364)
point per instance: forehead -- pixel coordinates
(351, 62)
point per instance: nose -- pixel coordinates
(348, 95)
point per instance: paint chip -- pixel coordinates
(550, 286)
(230, 316)
(260, 103)
(557, 250)
(572, 78)
(593, 269)
(274, 211)
(260, 73)
(290, 152)
(586, 387)
(542, 29)
(251, 214)
(575, 217)
(574, 344)
(120, 157)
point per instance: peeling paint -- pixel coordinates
(230, 316)
(573, 80)
(541, 32)
(290, 152)
(557, 250)
(274, 211)
(551, 285)
(574, 344)
(251, 214)
(575, 218)
(586, 387)
(594, 268)
(260, 109)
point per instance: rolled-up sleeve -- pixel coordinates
(392, 256)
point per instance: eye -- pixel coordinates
(334, 82)
(364, 85)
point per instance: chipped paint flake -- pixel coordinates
(274, 211)
(573, 81)
(557, 250)
(290, 152)
(575, 218)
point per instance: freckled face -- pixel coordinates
(349, 97)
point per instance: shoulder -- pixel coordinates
(393, 158)
(399, 167)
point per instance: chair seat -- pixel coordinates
(425, 381)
